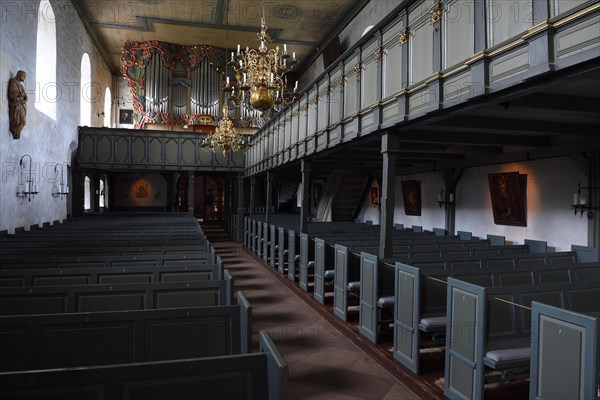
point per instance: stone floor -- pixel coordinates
(323, 362)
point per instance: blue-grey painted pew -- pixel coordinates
(346, 270)
(265, 242)
(261, 375)
(421, 294)
(195, 258)
(108, 297)
(292, 253)
(324, 268)
(273, 245)
(376, 281)
(307, 260)
(87, 276)
(96, 338)
(565, 353)
(489, 328)
(246, 232)
(282, 245)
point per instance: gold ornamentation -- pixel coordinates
(261, 75)
(403, 37)
(379, 54)
(357, 70)
(342, 81)
(436, 13)
(224, 137)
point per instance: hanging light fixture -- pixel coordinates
(224, 137)
(261, 75)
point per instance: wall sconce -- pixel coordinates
(445, 198)
(375, 197)
(119, 101)
(582, 203)
(100, 114)
(61, 190)
(29, 188)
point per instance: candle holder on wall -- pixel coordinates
(445, 198)
(61, 190)
(26, 188)
(582, 203)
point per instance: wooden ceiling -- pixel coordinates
(303, 25)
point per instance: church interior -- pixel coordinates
(271, 199)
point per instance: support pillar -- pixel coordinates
(268, 204)
(240, 209)
(305, 208)
(252, 194)
(389, 147)
(191, 193)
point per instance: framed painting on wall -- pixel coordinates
(411, 194)
(125, 116)
(508, 203)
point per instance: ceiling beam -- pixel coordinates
(468, 138)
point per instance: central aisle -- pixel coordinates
(324, 363)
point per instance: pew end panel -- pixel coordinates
(277, 368)
(293, 246)
(307, 255)
(376, 283)
(324, 260)
(273, 243)
(340, 282)
(464, 341)
(406, 330)
(282, 247)
(586, 253)
(564, 353)
(245, 322)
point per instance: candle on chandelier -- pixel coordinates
(238, 49)
(244, 77)
(227, 81)
(284, 48)
(272, 77)
(232, 56)
(296, 86)
(294, 55)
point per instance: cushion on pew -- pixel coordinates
(329, 274)
(433, 324)
(297, 258)
(311, 265)
(354, 286)
(508, 358)
(386, 302)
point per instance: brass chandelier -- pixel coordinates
(224, 137)
(261, 75)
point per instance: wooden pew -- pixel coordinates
(261, 375)
(293, 254)
(105, 261)
(347, 269)
(421, 294)
(489, 328)
(109, 297)
(109, 275)
(307, 257)
(96, 338)
(324, 266)
(565, 353)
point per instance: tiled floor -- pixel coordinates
(323, 362)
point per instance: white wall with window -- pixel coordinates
(45, 63)
(85, 92)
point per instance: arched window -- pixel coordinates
(45, 63)
(86, 194)
(85, 101)
(101, 194)
(107, 108)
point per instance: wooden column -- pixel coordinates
(240, 209)
(191, 193)
(305, 209)
(389, 146)
(252, 190)
(269, 197)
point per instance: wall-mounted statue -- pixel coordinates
(17, 104)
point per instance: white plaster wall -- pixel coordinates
(550, 187)
(47, 141)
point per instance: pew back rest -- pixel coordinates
(233, 377)
(90, 298)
